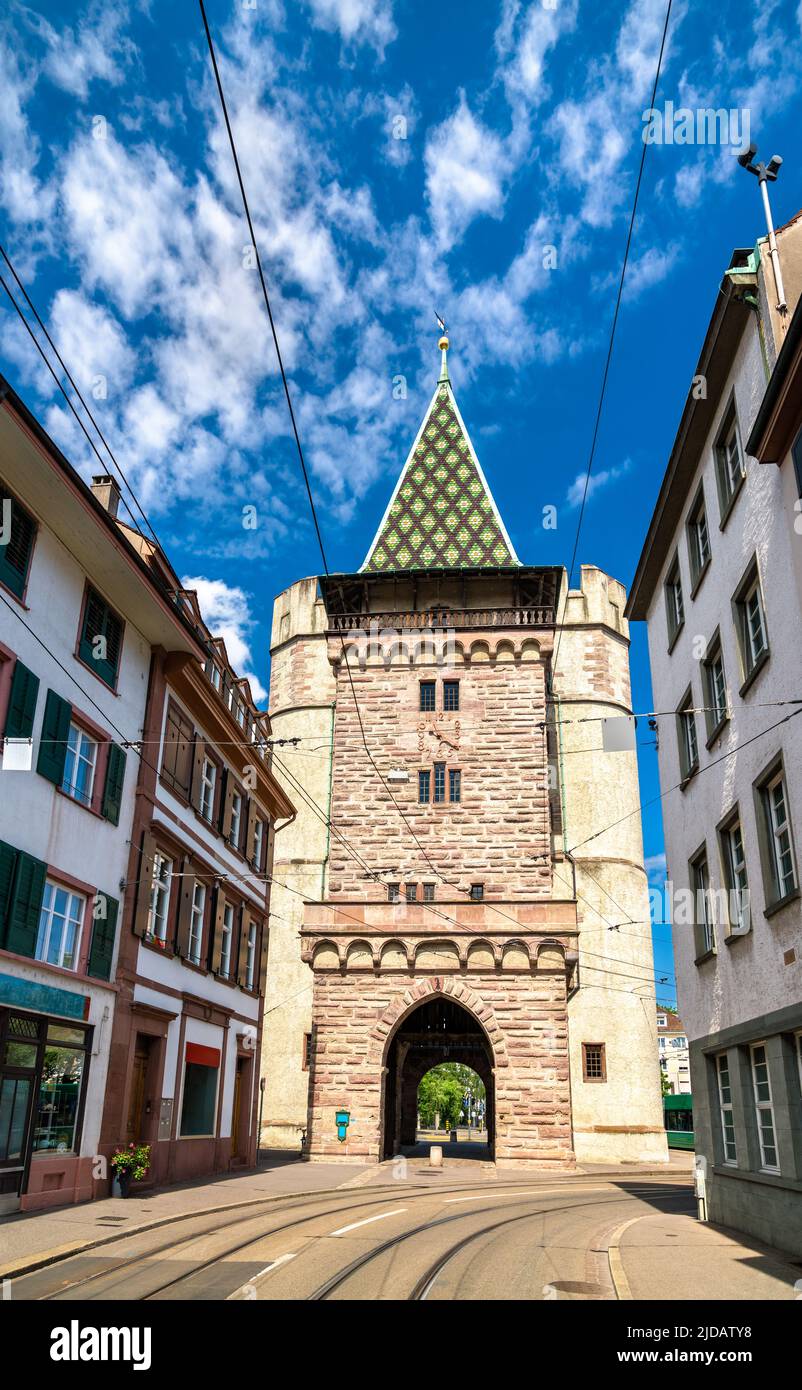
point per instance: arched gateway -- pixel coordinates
(426, 877)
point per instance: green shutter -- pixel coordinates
(8, 859)
(26, 905)
(53, 743)
(100, 621)
(104, 930)
(16, 546)
(21, 703)
(113, 789)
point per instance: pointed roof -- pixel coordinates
(442, 514)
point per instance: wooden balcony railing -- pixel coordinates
(442, 616)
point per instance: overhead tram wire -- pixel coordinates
(297, 437)
(611, 344)
(80, 396)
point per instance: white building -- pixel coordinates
(79, 614)
(715, 585)
(672, 1044)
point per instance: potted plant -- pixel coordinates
(129, 1164)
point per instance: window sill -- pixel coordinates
(74, 801)
(705, 956)
(689, 776)
(755, 672)
(162, 948)
(733, 936)
(6, 588)
(772, 908)
(726, 511)
(80, 977)
(696, 583)
(112, 689)
(717, 731)
(673, 637)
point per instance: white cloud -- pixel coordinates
(357, 21)
(655, 866)
(523, 41)
(227, 613)
(95, 49)
(466, 164)
(575, 493)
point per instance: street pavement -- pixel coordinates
(400, 1230)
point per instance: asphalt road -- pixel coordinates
(428, 1238)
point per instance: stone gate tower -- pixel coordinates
(433, 908)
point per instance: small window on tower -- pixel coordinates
(454, 784)
(477, 892)
(393, 892)
(427, 692)
(450, 695)
(428, 893)
(424, 786)
(411, 890)
(594, 1062)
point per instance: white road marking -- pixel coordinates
(249, 1283)
(367, 1220)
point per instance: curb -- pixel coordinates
(29, 1264)
(623, 1291)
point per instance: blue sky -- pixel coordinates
(400, 158)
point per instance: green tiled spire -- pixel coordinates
(442, 514)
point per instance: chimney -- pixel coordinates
(107, 492)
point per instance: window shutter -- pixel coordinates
(25, 906)
(242, 954)
(144, 884)
(218, 909)
(113, 789)
(100, 621)
(53, 742)
(8, 859)
(264, 946)
(104, 930)
(15, 555)
(185, 909)
(253, 816)
(21, 703)
(197, 769)
(226, 804)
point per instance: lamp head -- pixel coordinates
(746, 156)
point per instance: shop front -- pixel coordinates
(45, 1064)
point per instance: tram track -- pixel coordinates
(426, 1280)
(302, 1211)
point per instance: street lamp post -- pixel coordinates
(765, 173)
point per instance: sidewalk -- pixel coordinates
(29, 1236)
(677, 1258)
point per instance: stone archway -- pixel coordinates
(435, 1029)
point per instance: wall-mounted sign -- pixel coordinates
(165, 1117)
(342, 1120)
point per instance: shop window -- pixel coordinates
(58, 1101)
(199, 1102)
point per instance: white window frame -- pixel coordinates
(662, 1020)
(208, 788)
(82, 750)
(236, 820)
(737, 873)
(250, 959)
(74, 915)
(699, 534)
(226, 940)
(730, 460)
(689, 759)
(258, 842)
(675, 602)
(701, 867)
(196, 922)
(159, 909)
(752, 651)
(777, 830)
(725, 1109)
(763, 1107)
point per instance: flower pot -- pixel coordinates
(121, 1183)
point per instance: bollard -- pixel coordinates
(436, 1156)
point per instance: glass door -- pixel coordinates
(18, 1061)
